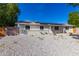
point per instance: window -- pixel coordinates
(66, 28)
(27, 27)
(56, 28)
(41, 27)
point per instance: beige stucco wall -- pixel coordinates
(57, 31)
(34, 28)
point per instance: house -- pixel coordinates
(26, 27)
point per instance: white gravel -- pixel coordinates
(39, 45)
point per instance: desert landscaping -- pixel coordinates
(39, 45)
(39, 29)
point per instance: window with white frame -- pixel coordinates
(27, 27)
(56, 28)
(41, 27)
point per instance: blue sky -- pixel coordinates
(45, 12)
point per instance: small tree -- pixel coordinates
(2, 14)
(8, 14)
(12, 14)
(74, 18)
(74, 4)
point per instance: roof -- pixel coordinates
(23, 22)
(68, 25)
(42, 23)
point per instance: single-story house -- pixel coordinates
(26, 27)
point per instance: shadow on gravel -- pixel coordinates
(75, 37)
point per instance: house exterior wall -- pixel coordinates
(21, 28)
(50, 29)
(60, 30)
(38, 28)
(69, 29)
(46, 28)
(34, 27)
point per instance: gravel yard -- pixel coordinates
(39, 45)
